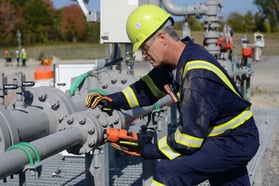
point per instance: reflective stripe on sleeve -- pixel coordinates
(156, 183)
(232, 123)
(130, 97)
(199, 64)
(187, 140)
(166, 149)
(152, 87)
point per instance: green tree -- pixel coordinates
(237, 22)
(39, 17)
(73, 23)
(268, 13)
(19, 3)
(248, 20)
(11, 20)
(194, 23)
(93, 32)
(261, 23)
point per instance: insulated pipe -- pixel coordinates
(22, 125)
(79, 133)
(210, 9)
(197, 9)
(135, 113)
(44, 108)
(30, 128)
(42, 111)
(15, 160)
(47, 108)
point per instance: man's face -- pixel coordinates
(151, 52)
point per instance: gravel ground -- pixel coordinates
(265, 95)
(265, 83)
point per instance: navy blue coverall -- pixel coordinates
(217, 135)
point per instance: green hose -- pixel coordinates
(77, 83)
(35, 150)
(156, 106)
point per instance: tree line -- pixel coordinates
(40, 22)
(266, 19)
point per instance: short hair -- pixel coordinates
(169, 29)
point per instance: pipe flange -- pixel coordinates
(92, 123)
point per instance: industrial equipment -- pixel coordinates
(42, 121)
(258, 46)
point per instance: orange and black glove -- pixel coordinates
(95, 99)
(125, 141)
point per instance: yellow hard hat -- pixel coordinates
(143, 22)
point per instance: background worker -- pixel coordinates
(7, 57)
(217, 135)
(23, 57)
(17, 57)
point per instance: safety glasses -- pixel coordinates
(146, 46)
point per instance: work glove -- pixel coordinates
(95, 99)
(125, 141)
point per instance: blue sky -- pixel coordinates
(240, 6)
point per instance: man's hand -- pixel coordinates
(125, 141)
(95, 99)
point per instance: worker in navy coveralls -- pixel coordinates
(217, 135)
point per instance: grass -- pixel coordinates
(93, 51)
(71, 51)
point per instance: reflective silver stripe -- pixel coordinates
(152, 87)
(156, 183)
(199, 64)
(130, 97)
(166, 149)
(231, 124)
(187, 140)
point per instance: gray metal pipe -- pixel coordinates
(15, 160)
(132, 114)
(39, 116)
(83, 130)
(197, 9)
(135, 113)
(30, 123)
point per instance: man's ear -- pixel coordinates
(162, 38)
